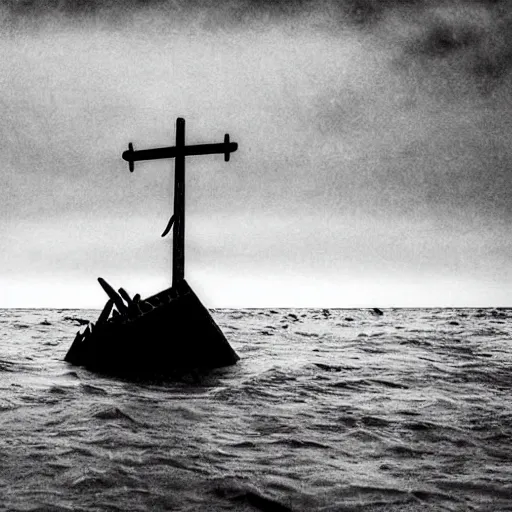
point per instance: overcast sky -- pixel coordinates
(374, 162)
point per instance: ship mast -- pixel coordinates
(179, 152)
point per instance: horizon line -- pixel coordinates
(278, 307)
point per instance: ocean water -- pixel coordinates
(327, 410)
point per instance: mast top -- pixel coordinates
(227, 147)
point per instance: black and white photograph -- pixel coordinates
(256, 255)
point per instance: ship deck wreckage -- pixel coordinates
(171, 330)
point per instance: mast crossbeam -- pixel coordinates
(225, 148)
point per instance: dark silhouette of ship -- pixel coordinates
(170, 331)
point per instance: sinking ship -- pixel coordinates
(171, 331)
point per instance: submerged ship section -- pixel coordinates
(172, 330)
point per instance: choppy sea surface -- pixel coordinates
(327, 410)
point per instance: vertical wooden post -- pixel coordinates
(178, 252)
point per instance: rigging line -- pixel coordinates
(169, 226)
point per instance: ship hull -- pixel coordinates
(175, 333)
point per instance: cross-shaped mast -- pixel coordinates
(179, 152)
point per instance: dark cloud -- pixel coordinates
(362, 12)
(474, 36)
(475, 42)
(442, 39)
